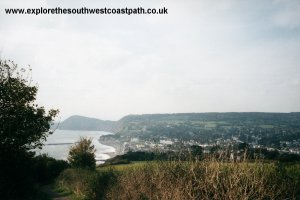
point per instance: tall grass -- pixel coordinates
(179, 180)
(208, 179)
(86, 184)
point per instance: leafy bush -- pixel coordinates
(82, 155)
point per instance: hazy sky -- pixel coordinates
(204, 56)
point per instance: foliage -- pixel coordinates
(197, 151)
(82, 154)
(47, 169)
(87, 184)
(23, 127)
(286, 157)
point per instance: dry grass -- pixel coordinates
(179, 180)
(208, 179)
(77, 181)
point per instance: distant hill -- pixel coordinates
(241, 117)
(77, 122)
(137, 122)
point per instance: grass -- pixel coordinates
(123, 167)
(293, 171)
(204, 180)
(207, 179)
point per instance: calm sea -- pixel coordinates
(59, 143)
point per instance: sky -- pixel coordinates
(203, 56)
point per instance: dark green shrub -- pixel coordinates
(82, 154)
(47, 169)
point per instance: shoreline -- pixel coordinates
(59, 143)
(119, 149)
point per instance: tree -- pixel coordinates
(197, 151)
(243, 146)
(23, 127)
(82, 154)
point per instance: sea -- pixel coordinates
(59, 143)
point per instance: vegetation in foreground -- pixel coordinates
(194, 179)
(205, 180)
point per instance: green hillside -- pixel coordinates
(77, 122)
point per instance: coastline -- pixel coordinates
(119, 149)
(58, 144)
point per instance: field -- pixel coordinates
(124, 167)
